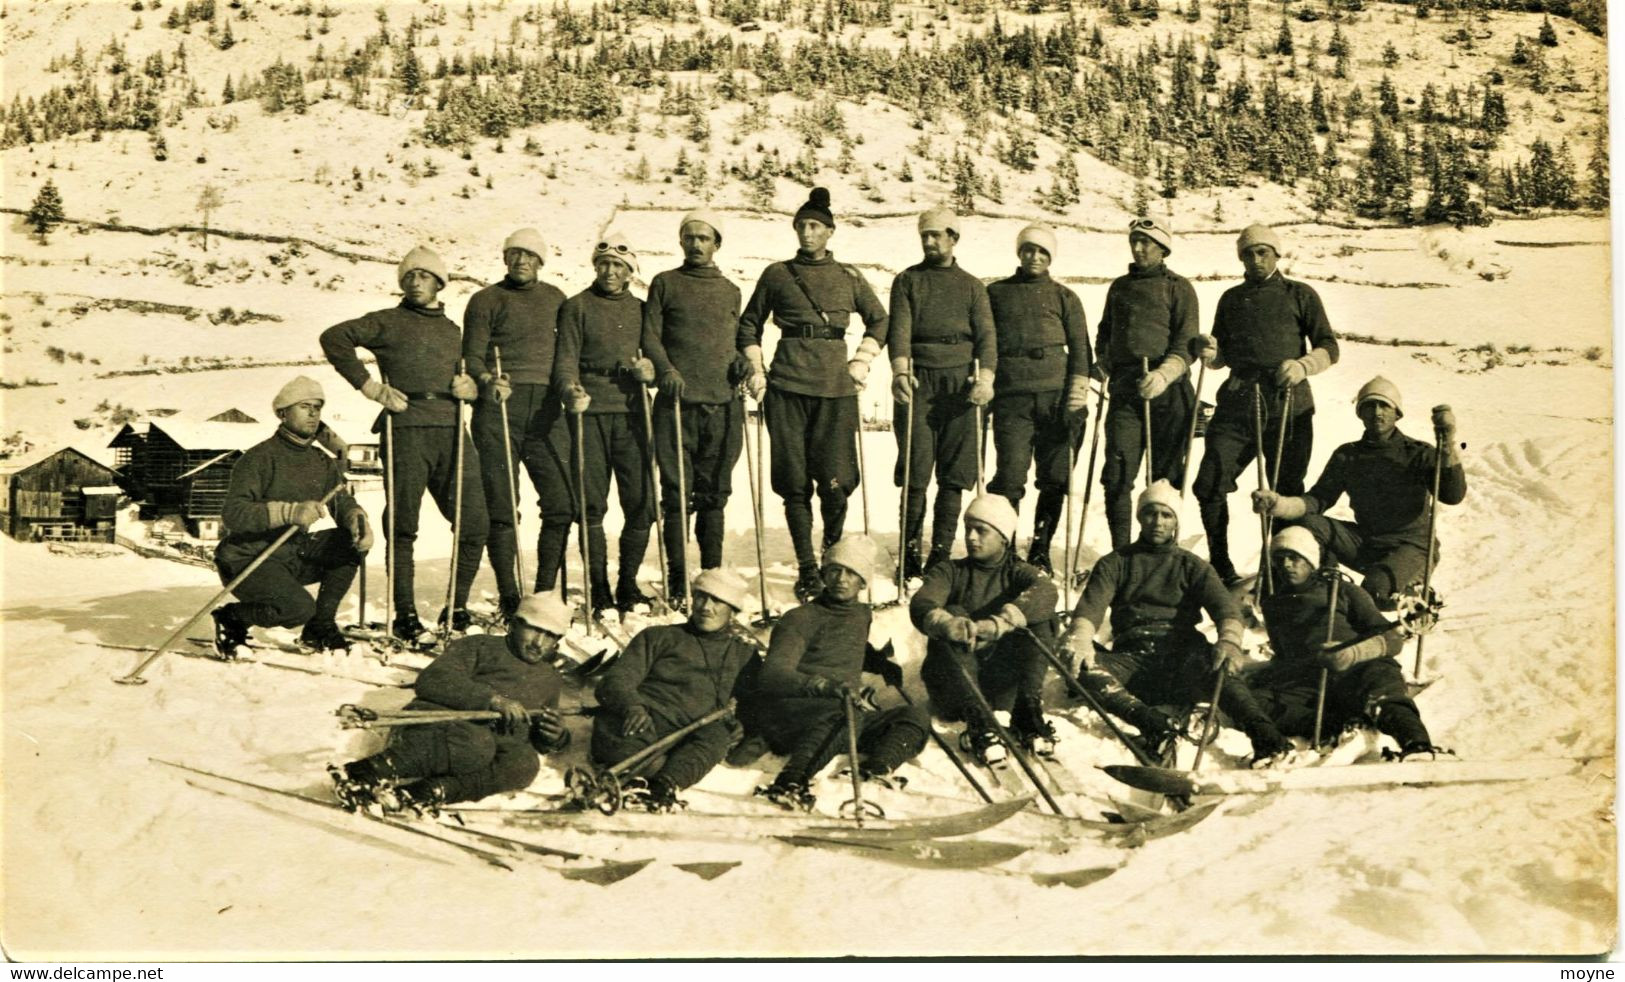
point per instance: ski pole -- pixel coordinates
(1211, 720)
(1275, 466)
(654, 468)
(1003, 733)
(1078, 689)
(1088, 484)
(756, 510)
(1145, 404)
(953, 755)
(863, 491)
(352, 717)
(134, 678)
(513, 476)
(1190, 435)
(857, 802)
(1066, 540)
(981, 486)
(670, 739)
(1433, 518)
(581, 526)
(389, 509)
(361, 586)
(902, 527)
(682, 495)
(1331, 627)
(456, 516)
(1265, 578)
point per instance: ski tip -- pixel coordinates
(129, 680)
(606, 873)
(709, 871)
(1074, 878)
(1156, 779)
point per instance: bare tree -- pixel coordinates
(208, 200)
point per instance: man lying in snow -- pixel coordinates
(429, 765)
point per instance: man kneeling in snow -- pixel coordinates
(1364, 681)
(973, 611)
(815, 661)
(428, 765)
(669, 676)
(1157, 593)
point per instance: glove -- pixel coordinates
(1226, 656)
(981, 388)
(1077, 646)
(1264, 501)
(738, 369)
(547, 730)
(819, 685)
(464, 388)
(498, 388)
(1077, 395)
(388, 396)
(671, 384)
(515, 717)
(301, 513)
(576, 399)
(1290, 373)
(991, 629)
(1154, 384)
(902, 383)
(958, 630)
(332, 442)
(1347, 658)
(858, 367)
(1444, 422)
(1207, 349)
(756, 381)
(642, 369)
(637, 720)
(360, 531)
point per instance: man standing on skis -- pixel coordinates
(941, 326)
(1364, 682)
(1388, 477)
(600, 377)
(690, 321)
(518, 318)
(669, 676)
(814, 663)
(1272, 333)
(1041, 387)
(1150, 320)
(418, 348)
(1157, 593)
(429, 765)
(278, 483)
(811, 396)
(977, 613)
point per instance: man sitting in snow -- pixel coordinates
(1364, 681)
(429, 765)
(669, 676)
(1388, 477)
(275, 484)
(816, 659)
(973, 611)
(1157, 593)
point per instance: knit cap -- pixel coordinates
(1159, 493)
(997, 511)
(615, 246)
(816, 208)
(1041, 236)
(1258, 235)
(529, 240)
(301, 389)
(939, 219)
(1381, 390)
(724, 584)
(1297, 539)
(853, 552)
(424, 258)
(1149, 228)
(704, 216)
(545, 612)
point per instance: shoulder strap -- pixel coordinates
(796, 275)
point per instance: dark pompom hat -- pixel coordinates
(816, 208)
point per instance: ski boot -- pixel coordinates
(353, 786)
(324, 636)
(789, 795)
(656, 794)
(410, 631)
(1158, 732)
(1039, 739)
(461, 620)
(1420, 749)
(939, 554)
(984, 746)
(422, 799)
(809, 584)
(230, 634)
(1268, 745)
(628, 596)
(1039, 557)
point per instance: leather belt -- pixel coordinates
(813, 333)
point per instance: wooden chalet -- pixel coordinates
(178, 466)
(60, 496)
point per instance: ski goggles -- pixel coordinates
(1146, 225)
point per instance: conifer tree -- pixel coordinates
(46, 211)
(1596, 195)
(1283, 39)
(1548, 34)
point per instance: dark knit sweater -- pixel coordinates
(690, 323)
(1388, 483)
(812, 366)
(417, 350)
(1145, 585)
(821, 639)
(278, 469)
(520, 320)
(478, 666)
(675, 672)
(1260, 325)
(1150, 314)
(941, 318)
(598, 341)
(1296, 619)
(1043, 335)
(973, 589)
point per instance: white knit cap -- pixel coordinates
(1153, 230)
(853, 552)
(301, 389)
(424, 258)
(1381, 390)
(529, 240)
(1297, 539)
(1041, 236)
(1258, 235)
(939, 219)
(545, 612)
(615, 246)
(1159, 493)
(997, 511)
(724, 584)
(704, 216)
